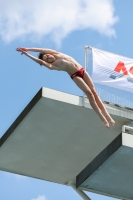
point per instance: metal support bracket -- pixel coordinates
(80, 192)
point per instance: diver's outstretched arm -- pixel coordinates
(47, 51)
(39, 61)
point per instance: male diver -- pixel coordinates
(54, 60)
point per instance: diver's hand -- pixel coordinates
(21, 49)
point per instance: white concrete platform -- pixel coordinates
(56, 137)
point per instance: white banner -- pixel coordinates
(112, 70)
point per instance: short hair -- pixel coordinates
(40, 56)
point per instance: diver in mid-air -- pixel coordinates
(54, 60)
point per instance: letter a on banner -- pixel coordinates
(112, 70)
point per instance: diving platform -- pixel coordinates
(59, 138)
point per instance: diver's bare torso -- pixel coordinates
(65, 63)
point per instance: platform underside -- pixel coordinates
(55, 137)
(114, 177)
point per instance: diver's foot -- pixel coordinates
(106, 124)
(112, 122)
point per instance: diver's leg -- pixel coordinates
(84, 87)
(100, 104)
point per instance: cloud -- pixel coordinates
(35, 20)
(40, 198)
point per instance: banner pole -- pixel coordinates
(85, 65)
(85, 57)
